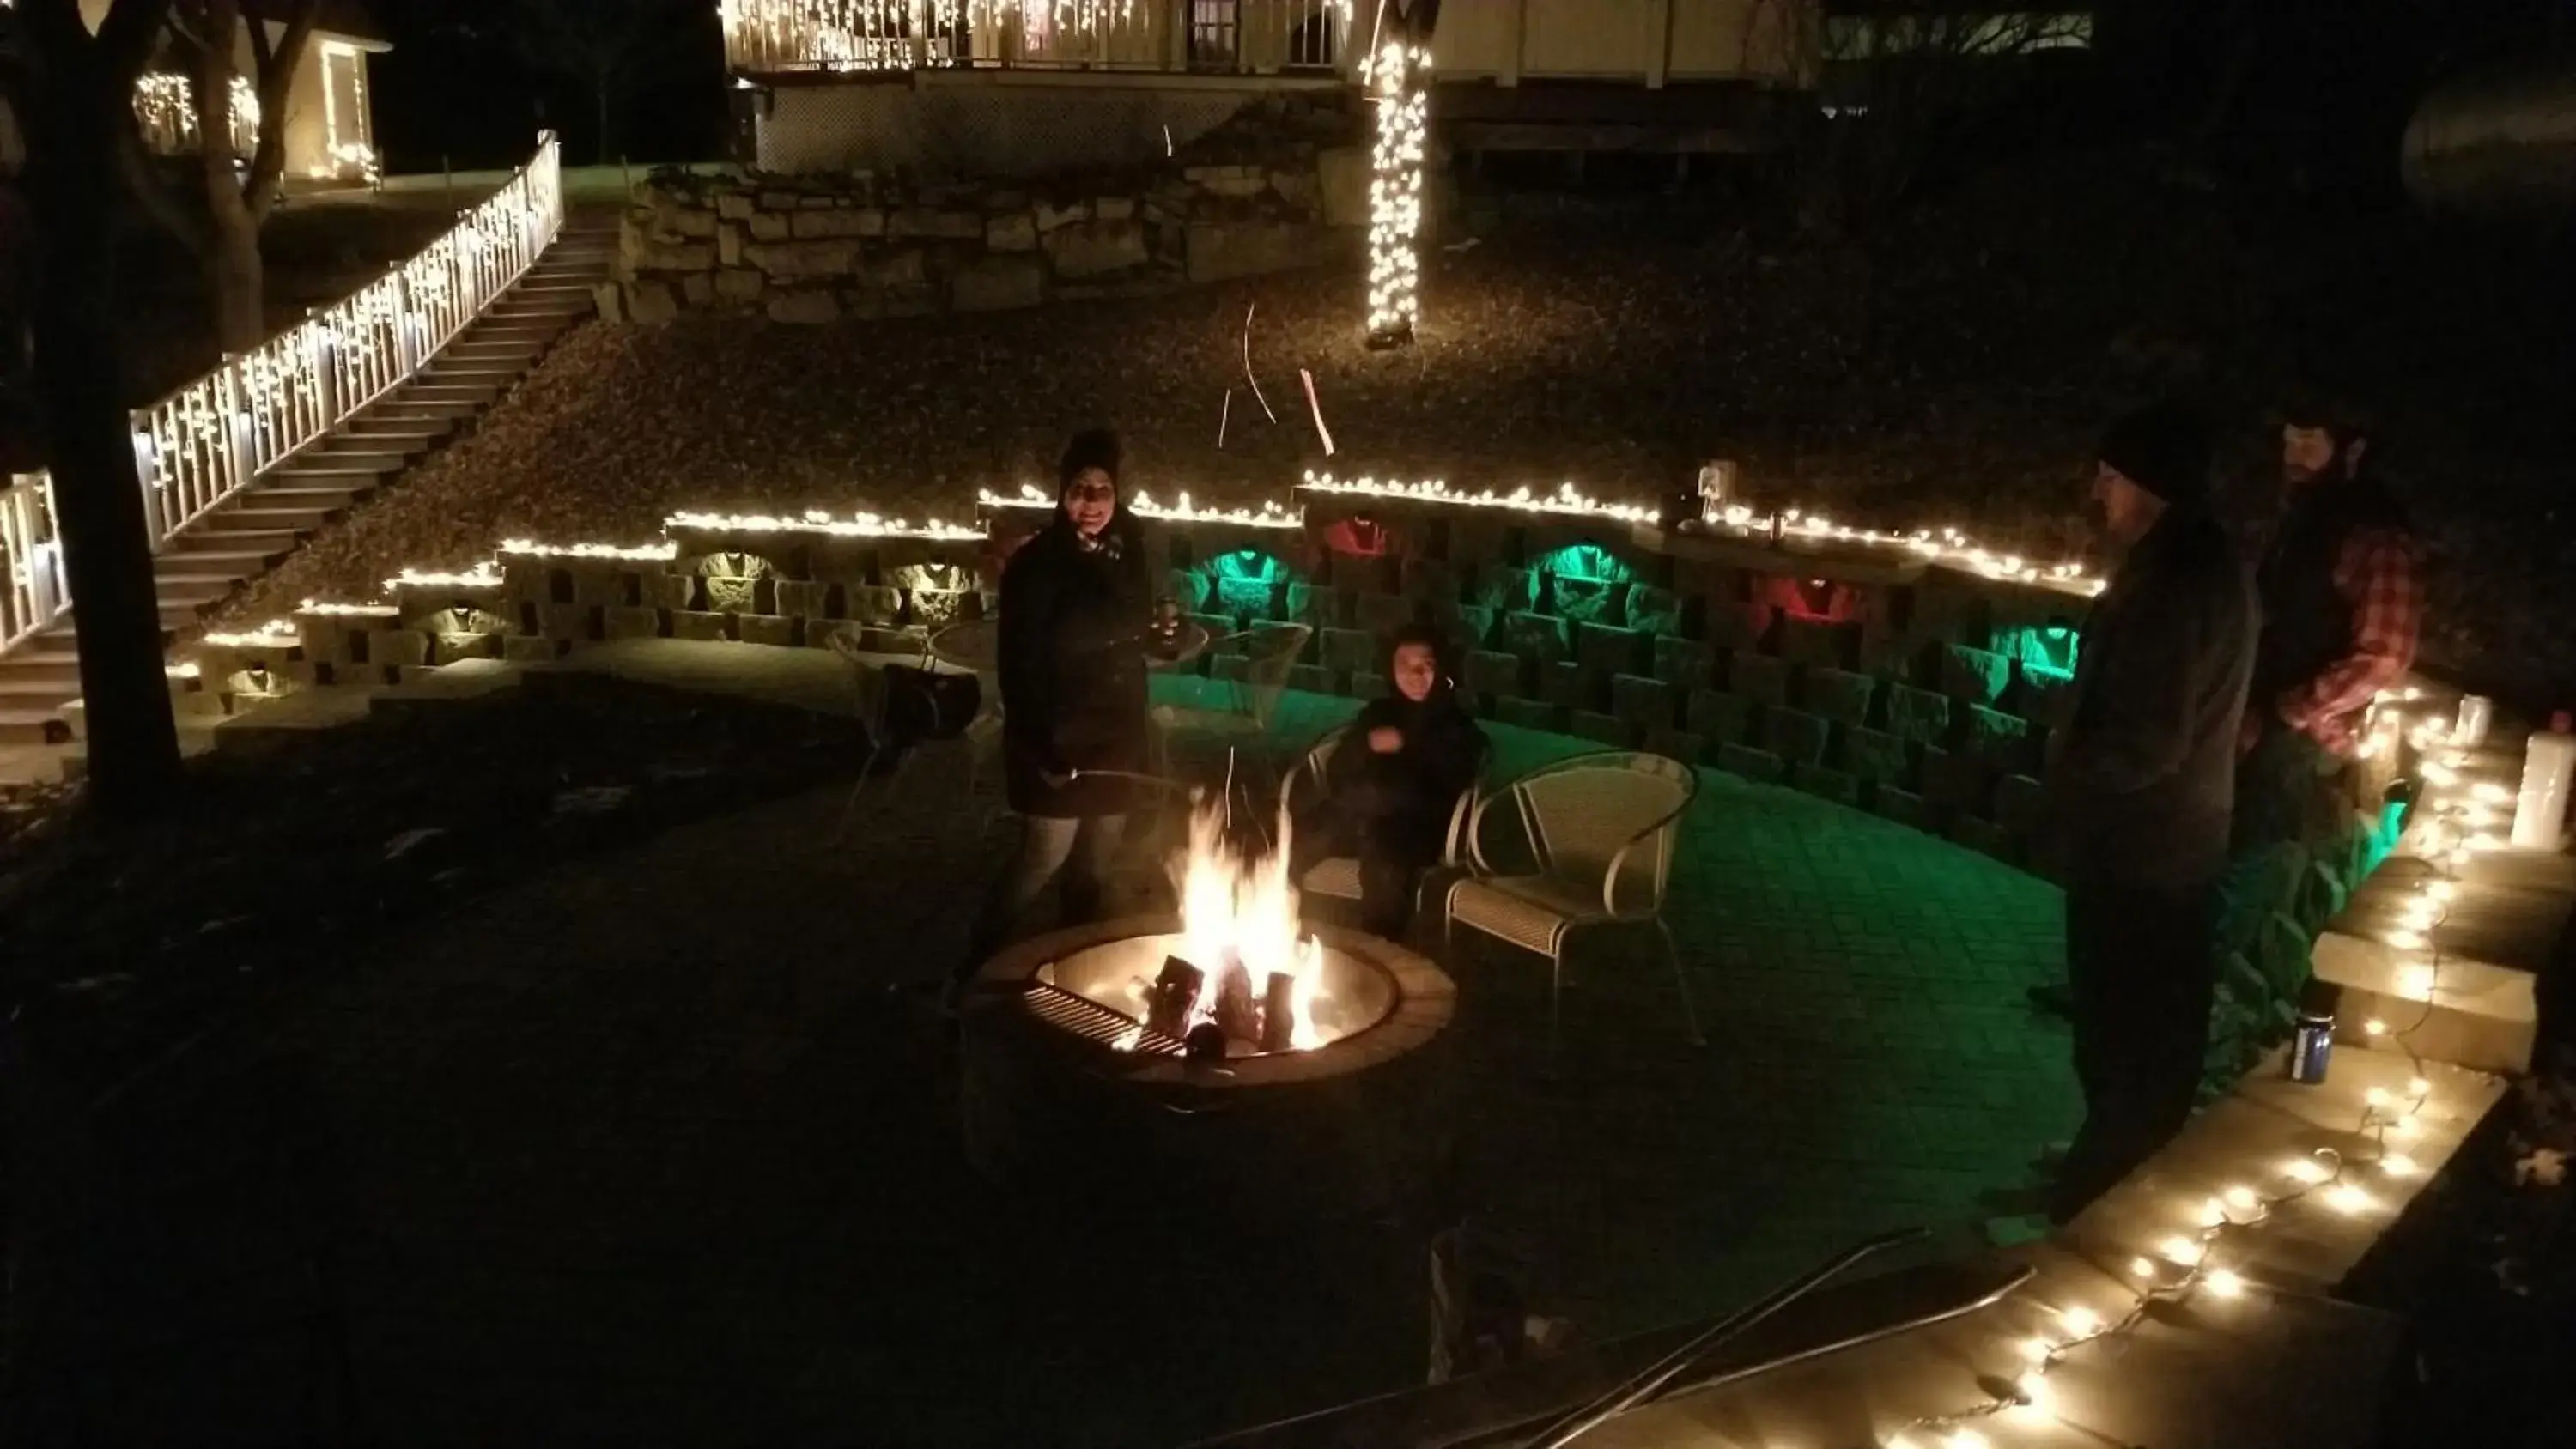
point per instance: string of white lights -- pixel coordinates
(2195, 1257)
(1946, 546)
(1402, 105)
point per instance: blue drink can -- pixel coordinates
(2311, 1048)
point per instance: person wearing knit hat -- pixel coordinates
(2140, 795)
(2343, 605)
(1077, 605)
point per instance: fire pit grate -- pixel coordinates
(1096, 1023)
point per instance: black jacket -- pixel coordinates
(2145, 777)
(2307, 622)
(1414, 789)
(1072, 663)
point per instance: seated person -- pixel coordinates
(1391, 785)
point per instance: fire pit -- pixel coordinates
(1232, 1040)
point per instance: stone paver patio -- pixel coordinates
(653, 1146)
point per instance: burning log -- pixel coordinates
(1279, 1013)
(1175, 997)
(1235, 1013)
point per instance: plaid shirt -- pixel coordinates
(2376, 573)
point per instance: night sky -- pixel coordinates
(456, 87)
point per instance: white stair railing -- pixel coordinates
(206, 442)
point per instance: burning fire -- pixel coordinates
(1239, 929)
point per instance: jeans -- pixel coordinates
(2138, 967)
(1074, 852)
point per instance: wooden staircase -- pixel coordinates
(210, 561)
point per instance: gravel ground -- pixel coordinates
(1951, 371)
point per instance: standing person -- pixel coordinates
(1390, 788)
(2343, 601)
(1077, 600)
(2141, 795)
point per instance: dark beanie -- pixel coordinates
(2162, 449)
(1090, 448)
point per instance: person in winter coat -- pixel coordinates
(2141, 795)
(1077, 601)
(2343, 601)
(1389, 789)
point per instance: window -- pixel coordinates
(1215, 34)
(1315, 40)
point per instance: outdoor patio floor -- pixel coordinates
(654, 1146)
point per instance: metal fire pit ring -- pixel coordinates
(1047, 1098)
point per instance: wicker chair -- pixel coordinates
(1602, 829)
(1338, 877)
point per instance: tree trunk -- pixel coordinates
(233, 272)
(98, 500)
(236, 278)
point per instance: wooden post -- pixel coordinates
(1659, 42)
(1517, 18)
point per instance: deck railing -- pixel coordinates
(212, 438)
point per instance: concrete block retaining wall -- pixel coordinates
(819, 248)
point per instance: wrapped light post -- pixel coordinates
(1400, 99)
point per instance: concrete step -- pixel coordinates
(332, 497)
(498, 351)
(544, 308)
(195, 589)
(260, 516)
(216, 536)
(321, 468)
(57, 639)
(417, 409)
(542, 327)
(28, 692)
(60, 668)
(470, 397)
(412, 434)
(245, 563)
(359, 456)
(32, 727)
(472, 372)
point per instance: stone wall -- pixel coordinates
(814, 249)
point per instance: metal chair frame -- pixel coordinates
(1660, 838)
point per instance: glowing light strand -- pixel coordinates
(1402, 105)
(1268, 515)
(2185, 1264)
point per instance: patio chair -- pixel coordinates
(976, 640)
(868, 684)
(1602, 829)
(1338, 877)
(1269, 650)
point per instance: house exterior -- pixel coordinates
(1032, 86)
(329, 126)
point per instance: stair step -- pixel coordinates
(471, 372)
(337, 466)
(32, 727)
(216, 536)
(320, 495)
(58, 639)
(509, 350)
(195, 589)
(27, 693)
(62, 668)
(241, 563)
(471, 396)
(415, 409)
(270, 519)
(365, 457)
(371, 432)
